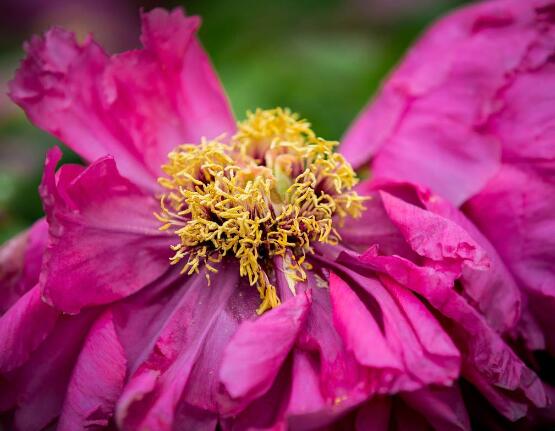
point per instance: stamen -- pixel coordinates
(272, 190)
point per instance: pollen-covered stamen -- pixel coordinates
(273, 190)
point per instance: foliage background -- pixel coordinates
(322, 58)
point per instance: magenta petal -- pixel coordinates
(359, 330)
(488, 362)
(20, 263)
(136, 106)
(492, 288)
(255, 353)
(424, 352)
(516, 212)
(23, 328)
(97, 379)
(104, 240)
(465, 88)
(341, 377)
(432, 236)
(443, 407)
(152, 396)
(37, 389)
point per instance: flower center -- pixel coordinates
(271, 190)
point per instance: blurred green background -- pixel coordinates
(321, 58)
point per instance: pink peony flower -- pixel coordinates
(244, 282)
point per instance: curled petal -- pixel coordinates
(254, 356)
(488, 362)
(104, 242)
(195, 320)
(136, 106)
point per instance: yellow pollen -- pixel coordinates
(273, 189)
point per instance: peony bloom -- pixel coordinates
(199, 273)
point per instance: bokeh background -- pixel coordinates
(322, 58)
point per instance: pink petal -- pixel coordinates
(431, 236)
(491, 288)
(516, 211)
(20, 262)
(424, 352)
(358, 328)
(37, 389)
(153, 394)
(97, 379)
(104, 241)
(23, 328)
(435, 121)
(251, 362)
(374, 227)
(342, 380)
(136, 106)
(487, 360)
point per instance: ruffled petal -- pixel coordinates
(463, 91)
(359, 329)
(136, 106)
(104, 242)
(193, 321)
(341, 379)
(97, 379)
(488, 362)
(425, 220)
(420, 351)
(251, 361)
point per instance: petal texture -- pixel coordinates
(136, 106)
(97, 379)
(459, 103)
(103, 238)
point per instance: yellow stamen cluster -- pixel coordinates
(272, 190)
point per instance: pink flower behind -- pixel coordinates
(349, 312)
(475, 123)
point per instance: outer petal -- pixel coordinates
(104, 243)
(23, 328)
(435, 121)
(516, 212)
(136, 106)
(487, 361)
(97, 379)
(20, 262)
(443, 407)
(36, 390)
